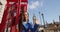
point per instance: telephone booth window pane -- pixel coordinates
(9, 29)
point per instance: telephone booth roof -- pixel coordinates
(11, 0)
(17, 0)
(24, 0)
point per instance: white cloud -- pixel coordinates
(33, 5)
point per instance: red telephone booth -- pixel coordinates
(13, 8)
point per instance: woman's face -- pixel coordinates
(26, 15)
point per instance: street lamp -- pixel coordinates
(43, 19)
(40, 18)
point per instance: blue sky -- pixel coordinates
(50, 8)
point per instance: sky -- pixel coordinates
(50, 9)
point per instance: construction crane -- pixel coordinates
(11, 14)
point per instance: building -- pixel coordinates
(52, 27)
(34, 19)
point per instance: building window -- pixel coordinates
(0, 12)
(0, 5)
